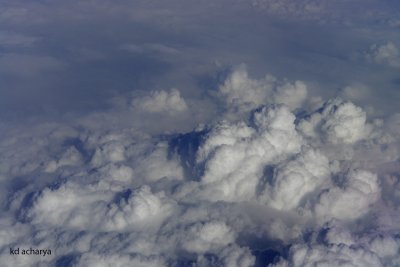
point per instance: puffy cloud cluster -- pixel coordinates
(337, 122)
(387, 54)
(234, 155)
(359, 192)
(252, 171)
(341, 248)
(243, 94)
(295, 179)
(161, 101)
(278, 185)
(77, 207)
(334, 256)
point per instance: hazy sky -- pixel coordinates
(73, 56)
(200, 133)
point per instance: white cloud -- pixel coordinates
(360, 191)
(71, 157)
(234, 155)
(237, 257)
(272, 165)
(387, 54)
(150, 48)
(243, 94)
(161, 101)
(239, 89)
(101, 260)
(272, 177)
(143, 209)
(335, 256)
(385, 246)
(112, 151)
(292, 95)
(343, 249)
(294, 180)
(156, 165)
(337, 122)
(207, 237)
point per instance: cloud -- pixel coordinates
(145, 201)
(231, 256)
(239, 89)
(243, 94)
(360, 191)
(340, 248)
(292, 95)
(161, 101)
(156, 165)
(142, 209)
(207, 237)
(235, 168)
(77, 207)
(150, 48)
(234, 155)
(109, 152)
(336, 255)
(218, 194)
(296, 179)
(321, 11)
(387, 54)
(338, 122)
(91, 259)
(71, 157)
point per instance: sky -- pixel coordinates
(202, 133)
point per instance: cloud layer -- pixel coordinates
(261, 178)
(156, 146)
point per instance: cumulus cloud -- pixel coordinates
(239, 89)
(207, 237)
(141, 209)
(91, 259)
(296, 179)
(242, 93)
(387, 54)
(277, 180)
(234, 155)
(71, 157)
(360, 191)
(337, 122)
(336, 255)
(244, 170)
(292, 95)
(341, 248)
(231, 256)
(161, 101)
(254, 171)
